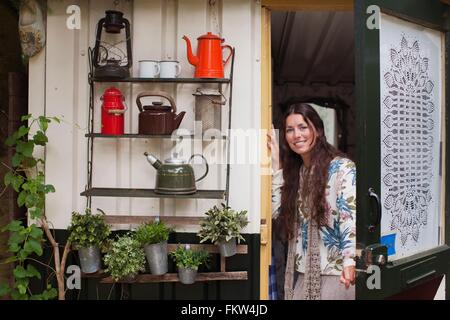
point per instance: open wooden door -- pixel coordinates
(402, 97)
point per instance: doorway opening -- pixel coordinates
(313, 61)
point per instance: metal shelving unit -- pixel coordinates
(166, 80)
(150, 193)
(144, 136)
(92, 191)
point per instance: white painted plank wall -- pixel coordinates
(65, 97)
(157, 30)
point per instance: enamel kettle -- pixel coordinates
(175, 175)
(157, 118)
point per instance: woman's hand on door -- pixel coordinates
(348, 276)
(273, 146)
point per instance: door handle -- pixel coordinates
(372, 194)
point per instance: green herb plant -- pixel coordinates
(152, 233)
(185, 257)
(125, 258)
(222, 224)
(88, 230)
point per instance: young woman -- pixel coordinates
(313, 200)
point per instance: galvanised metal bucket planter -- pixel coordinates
(227, 248)
(90, 259)
(157, 257)
(187, 275)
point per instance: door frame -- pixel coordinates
(266, 115)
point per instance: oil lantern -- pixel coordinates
(108, 59)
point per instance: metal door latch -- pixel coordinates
(374, 254)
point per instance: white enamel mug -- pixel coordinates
(149, 68)
(170, 69)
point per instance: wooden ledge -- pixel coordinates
(211, 248)
(99, 274)
(119, 219)
(173, 277)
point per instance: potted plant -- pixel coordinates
(223, 226)
(153, 237)
(188, 261)
(125, 258)
(87, 233)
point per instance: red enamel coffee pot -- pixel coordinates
(208, 62)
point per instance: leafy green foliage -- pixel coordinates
(49, 293)
(88, 229)
(151, 233)
(28, 180)
(24, 241)
(125, 258)
(185, 257)
(222, 224)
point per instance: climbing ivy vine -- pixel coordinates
(26, 176)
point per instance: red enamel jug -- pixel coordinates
(113, 110)
(208, 62)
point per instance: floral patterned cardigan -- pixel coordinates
(337, 240)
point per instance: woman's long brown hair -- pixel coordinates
(315, 185)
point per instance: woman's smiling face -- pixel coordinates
(300, 135)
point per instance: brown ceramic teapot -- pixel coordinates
(157, 118)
